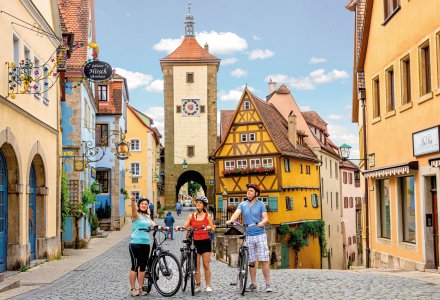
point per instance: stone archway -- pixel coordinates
(191, 176)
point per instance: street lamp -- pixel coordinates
(345, 151)
(184, 164)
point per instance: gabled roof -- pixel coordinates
(314, 119)
(142, 118)
(226, 117)
(276, 126)
(190, 50)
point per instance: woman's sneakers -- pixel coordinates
(208, 289)
(268, 289)
(142, 292)
(134, 292)
(252, 287)
(198, 288)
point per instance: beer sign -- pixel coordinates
(98, 71)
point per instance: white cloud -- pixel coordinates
(135, 79)
(261, 54)
(348, 106)
(309, 82)
(229, 61)
(156, 86)
(157, 114)
(335, 117)
(234, 94)
(342, 134)
(304, 108)
(317, 60)
(219, 42)
(238, 73)
(256, 38)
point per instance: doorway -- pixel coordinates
(435, 228)
(32, 211)
(3, 213)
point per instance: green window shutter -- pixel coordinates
(291, 202)
(273, 204)
(220, 204)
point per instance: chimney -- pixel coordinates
(272, 86)
(206, 47)
(291, 133)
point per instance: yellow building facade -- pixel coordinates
(142, 166)
(397, 72)
(29, 134)
(260, 146)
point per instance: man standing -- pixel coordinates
(151, 208)
(254, 211)
(179, 205)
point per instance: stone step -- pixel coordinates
(9, 283)
(101, 234)
(36, 262)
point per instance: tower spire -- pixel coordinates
(189, 22)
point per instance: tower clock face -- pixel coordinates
(190, 107)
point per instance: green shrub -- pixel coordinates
(93, 221)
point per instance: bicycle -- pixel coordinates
(188, 260)
(162, 267)
(243, 259)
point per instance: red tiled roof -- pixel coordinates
(190, 50)
(283, 89)
(314, 119)
(226, 117)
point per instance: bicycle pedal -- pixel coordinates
(233, 283)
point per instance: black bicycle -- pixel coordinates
(243, 259)
(188, 259)
(163, 269)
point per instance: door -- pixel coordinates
(3, 213)
(435, 226)
(32, 211)
(284, 256)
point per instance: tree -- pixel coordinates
(193, 188)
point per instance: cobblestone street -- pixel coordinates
(106, 277)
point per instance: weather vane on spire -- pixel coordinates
(189, 22)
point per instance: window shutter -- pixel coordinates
(273, 204)
(291, 202)
(220, 204)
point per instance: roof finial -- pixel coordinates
(189, 22)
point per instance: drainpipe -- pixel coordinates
(320, 196)
(362, 98)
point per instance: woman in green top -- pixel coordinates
(140, 243)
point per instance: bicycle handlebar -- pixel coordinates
(243, 225)
(156, 229)
(191, 229)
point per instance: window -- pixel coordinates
(336, 170)
(101, 135)
(267, 162)
(242, 164)
(345, 202)
(102, 93)
(390, 90)
(255, 163)
(251, 137)
(376, 97)
(247, 105)
(349, 241)
(351, 202)
(16, 42)
(407, 203)
(305, 201)
(357, 178)
(389, 7)
(135, 169)
(300, 169)
(315, 201)
(189, 77)
(337, 200)
(134, 180)
(344, 177)
(331, 169)
(202, 108)
(136, 194)
(135, 145)
(331, 200)
(178, 109)
(73, 187)
(190, 151)
(425, 69)
(233, 200)
(243, 137)
(406, 80)
(289, 203)
(102, 178)
(350, 178)
(229, 165)
(307, 169)
(263, 199)
(383, 187)
(287, 165)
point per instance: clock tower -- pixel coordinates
(190, 103)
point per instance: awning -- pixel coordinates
(392, 170)
(434, 162)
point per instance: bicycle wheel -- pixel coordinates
(147, 281)
(243, 271)
(183, 265)
(192, 271)
(167, 275)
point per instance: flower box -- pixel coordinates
(248, 171)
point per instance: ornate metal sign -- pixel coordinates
(97, 71)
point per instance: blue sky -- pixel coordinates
(308, 45)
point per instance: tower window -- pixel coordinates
(189, 77)
(178, 109)
(190, 151)
(202, 108)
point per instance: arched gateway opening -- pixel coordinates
(189, 176)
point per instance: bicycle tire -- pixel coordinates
(192, 271)
(243, 271)
(165, 268)
(147, 282)
(183, 265)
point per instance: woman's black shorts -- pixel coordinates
(203, 246)
(139, 254)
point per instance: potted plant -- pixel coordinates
(160, 213)
(94, 224)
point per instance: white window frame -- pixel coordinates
(252, 137)
(135, 174)
(254, 163)
(233, 200)
(241, 164)
(137, 194)
(247, 105)
(243, 137)
(267, 162)
(131, 145)
(229, 165)
(264, 200)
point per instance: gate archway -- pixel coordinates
(190, 176)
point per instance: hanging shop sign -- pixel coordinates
(97, 71)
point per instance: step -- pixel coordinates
(101, 234)
(36, 262)
(9, 283)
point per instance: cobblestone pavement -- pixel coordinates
(106, 277)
